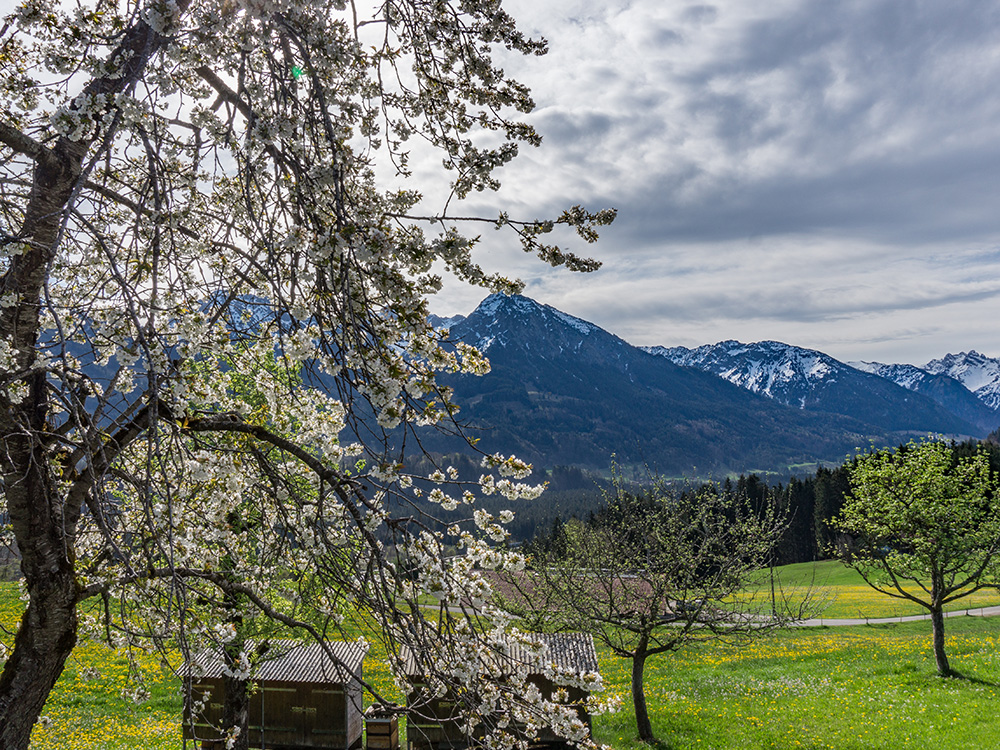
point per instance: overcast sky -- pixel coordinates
(820, 173)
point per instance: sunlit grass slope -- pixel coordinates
(870, 687)
(843, 593)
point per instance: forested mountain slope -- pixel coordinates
(564, 391)
(812, 380)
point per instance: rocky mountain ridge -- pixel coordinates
(977, 372)
(807, 378)
(564, 391)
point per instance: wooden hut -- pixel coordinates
(304, 698)
(436, 725)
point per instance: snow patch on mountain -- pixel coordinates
(438, 322)
(769, 368)
(489, 306)
(977, 372)
(907, 376)
(581, 325)
(499, 310)
(501, 321)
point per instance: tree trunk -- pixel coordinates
(236, 705)
(639, 695)
(45, 529)
(236, 712)
(940, 657)
(45, 638)
(47, 632)
(44, 521)
(44, 524)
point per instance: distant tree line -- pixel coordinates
(809, 505)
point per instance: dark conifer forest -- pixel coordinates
(809, 504)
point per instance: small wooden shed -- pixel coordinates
(436, 727)
(304, 699)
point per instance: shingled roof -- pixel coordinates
(291, 661)
(567, 651)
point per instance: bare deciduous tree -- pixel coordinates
(653, 571)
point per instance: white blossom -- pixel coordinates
(231, 315)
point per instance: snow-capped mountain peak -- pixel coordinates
(977, 372)
(948, 391)
(438, 322)
(809, 379)
(908, 376)
(566, 391)
(498, 314)
(499, 305)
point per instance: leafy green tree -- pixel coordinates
(926, 527)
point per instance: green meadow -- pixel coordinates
(866, 686)
(839, 688)
(841, 592)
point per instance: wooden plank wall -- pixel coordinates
(291, 715)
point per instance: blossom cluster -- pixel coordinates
(233, 321)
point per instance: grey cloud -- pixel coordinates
(840, 174)
(700, 14)
(942, 197)
(662, 37)
(795, 305)
(886, 38)
(572, 129)
(864, 131)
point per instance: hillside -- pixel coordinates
(944, 389)
(977, 372)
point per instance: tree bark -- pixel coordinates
(44, 524)
(639, 694)
(236, 704)
(43, 519)
(45, 638)
(940, 657)
(45, 531)
(236, 711)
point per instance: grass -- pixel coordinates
(87, 709)
(846, 595)
(90, 710)
(844, 688)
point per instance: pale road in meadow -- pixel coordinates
(837, 621)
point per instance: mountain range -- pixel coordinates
(810, 379)
(563, 391)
